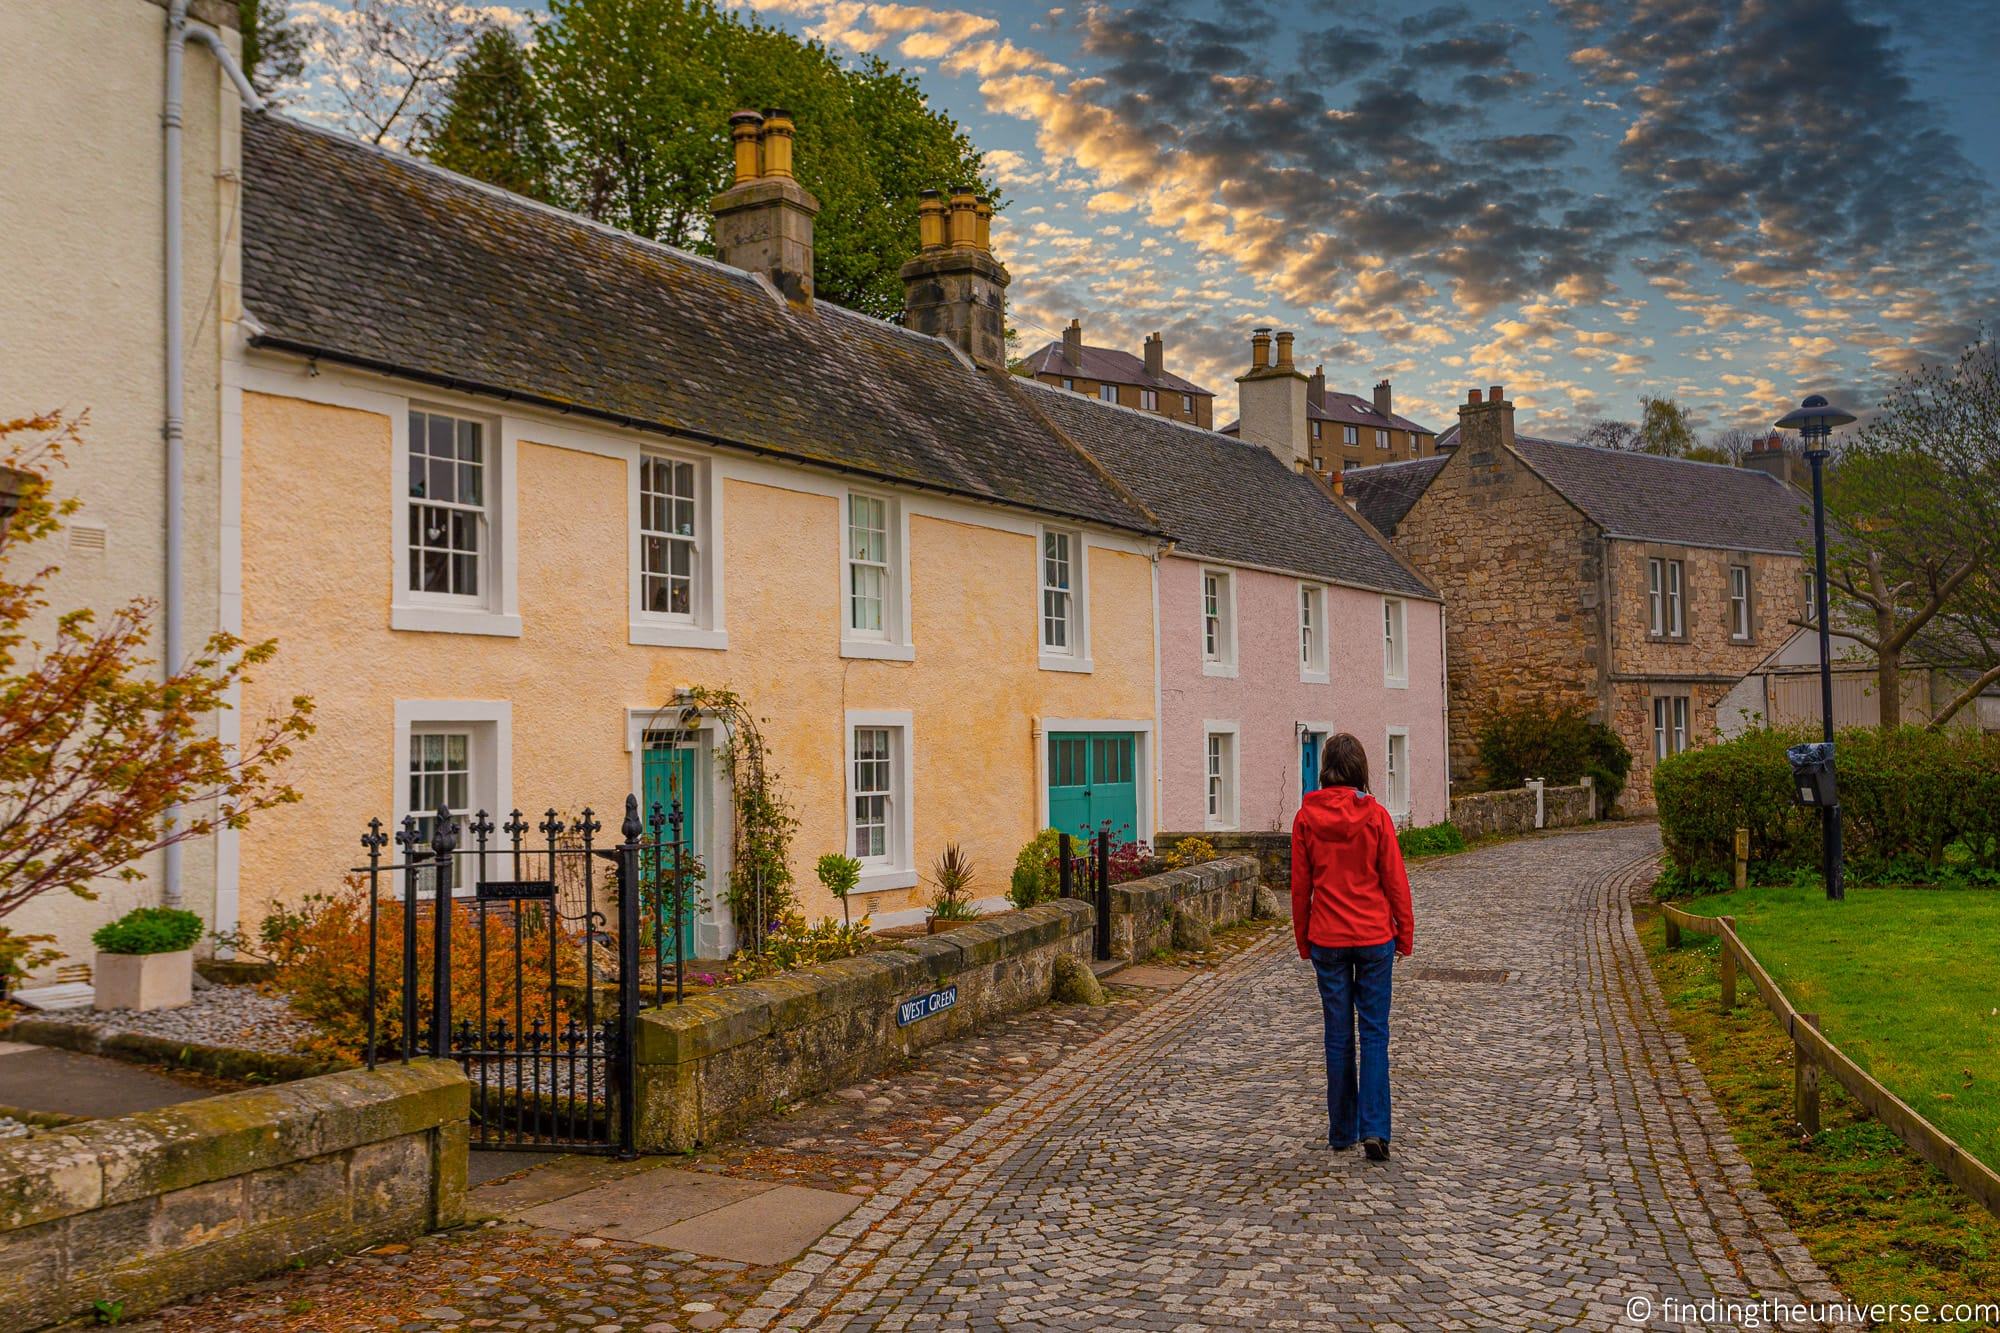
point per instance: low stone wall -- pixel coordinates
(148, 1209)
(723, 1060)
(1486, 813)
(1272, 850)
(1142, 910)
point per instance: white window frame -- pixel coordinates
(1381, 438)
(1218, 645)
(1396, 789)
(1075, 657)
(490, 724)
(1395, 643)
(1221, 776)
(898, 868)
(1350, 435)
(1069, 382)
(704, 627)
(1313, 643)
(1149, 399)
(1656, 604)
(494, 610)
(1670, 725)
(1741, 629)
(1107, 393)
(1676, 599)
(1187, 404)
(1316, 429)
(892, 642)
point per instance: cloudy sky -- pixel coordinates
(1732, 202)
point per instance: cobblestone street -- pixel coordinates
(1158, 1163)
(1556, 1156)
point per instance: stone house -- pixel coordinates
(1346, 431)
(1117, 377)
(1637, 588)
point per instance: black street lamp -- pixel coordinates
(1814, 420)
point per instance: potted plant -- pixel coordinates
(145, 959)
(951, 873)
(839, 874)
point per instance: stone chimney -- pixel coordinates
(764, 222)
(1271, 401)
(1769, 455)
(1156, 355)
(1073, 344)
(955, 288)
(1316, 387)
(1486, 425)
(1382, 399)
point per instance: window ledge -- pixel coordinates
(1226, 669)
(1395, 682)
(454, 620)
(1218, 826)
(659, 634)
(883, 879)
(1315, 678)
(878, 651)
(1059, 662)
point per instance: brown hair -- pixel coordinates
(1343, 763)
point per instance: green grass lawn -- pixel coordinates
(1906, 981)
(1883, 1223)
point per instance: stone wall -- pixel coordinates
(1271, 850)
(148, 1209)
(1487, 813)
(721, 1061)
(1522, 573)
(1142, 911)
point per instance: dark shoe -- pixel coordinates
(1340, 1147)
(1377, 1149)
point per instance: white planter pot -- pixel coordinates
(144, 980)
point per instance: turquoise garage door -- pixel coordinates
(1093, 781)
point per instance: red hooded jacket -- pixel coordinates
(1349, 889)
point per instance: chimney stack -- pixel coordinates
(1382, 399)
(1271, 401)
(764, 222)
(1486, 424)
(1769, 456)
(955, 289)
(1073, 344)
(1316, 387)
(1156, 356)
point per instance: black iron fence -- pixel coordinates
(1094, 868)
(521, 958)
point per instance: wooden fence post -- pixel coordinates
(1729, 965)
(1742, 857)
(1673, 929)
(1805, 1080)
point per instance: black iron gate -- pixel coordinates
(538, 937)
(1095, 868)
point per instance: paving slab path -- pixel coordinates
(1557, 1158)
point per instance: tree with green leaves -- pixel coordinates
(1913, 528)
(1663, 428)
(637, 96)
(274, 52)
(493, 126)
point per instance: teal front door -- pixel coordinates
(1094, 781)
(668, 775)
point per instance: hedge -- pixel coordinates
(1918, 806)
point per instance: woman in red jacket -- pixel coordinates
(1351, 915)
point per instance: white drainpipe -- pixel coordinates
(179, 34)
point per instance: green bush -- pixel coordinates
(1431, 840)
(149, 930)
(1036, 878)
(1918, 807)
(1559, 745)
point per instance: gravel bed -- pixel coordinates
(240, 1017)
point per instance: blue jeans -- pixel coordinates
(1354, 992)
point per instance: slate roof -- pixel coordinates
(1651, 498)
(1226, 500)
(1384, 493)
(1111, 366)
(1642, 497)
(368, 257)
(1351, 409)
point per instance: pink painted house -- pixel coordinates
(1283, 617)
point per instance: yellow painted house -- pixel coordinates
(506, 484)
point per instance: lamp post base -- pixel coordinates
(1830, 863)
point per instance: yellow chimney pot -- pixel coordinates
(931, 213)
(964, 219)
(744, 131)
(983, 232)
(778, 131)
